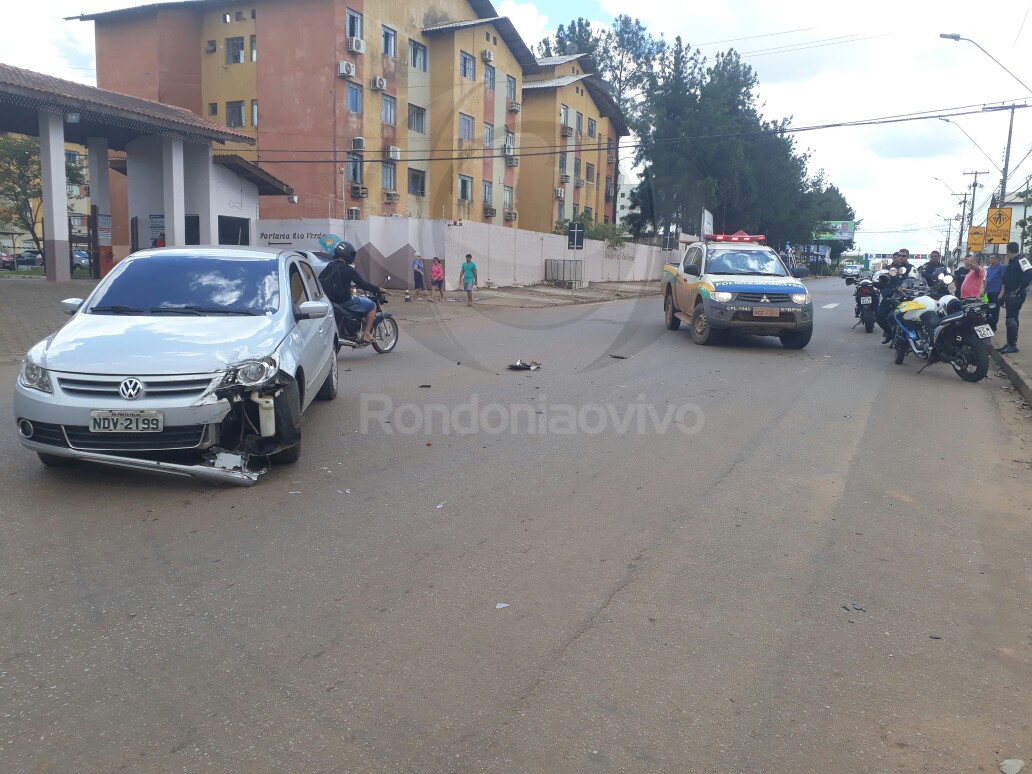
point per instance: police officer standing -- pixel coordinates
(1012, 295)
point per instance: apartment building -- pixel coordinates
(364, 107)
(571, 134)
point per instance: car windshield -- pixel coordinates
(745, 261)
(180, 283)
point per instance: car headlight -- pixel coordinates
(722, 296)
(34, 376)
(801, 298)
(252, 373)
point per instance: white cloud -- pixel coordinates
(532, 25)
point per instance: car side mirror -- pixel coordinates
(693, 269)
(71, 305)
(850, 280)
(312, 310)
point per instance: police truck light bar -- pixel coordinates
(737, 237)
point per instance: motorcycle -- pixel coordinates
(350, 326)
(936, 327)
(866, 298)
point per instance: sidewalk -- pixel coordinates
(30, 308)
(1018, 368)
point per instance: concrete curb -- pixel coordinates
(1018, 377)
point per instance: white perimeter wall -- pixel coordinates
(504, 256)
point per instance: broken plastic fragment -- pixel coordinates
(441, 505)
(500, 605)
(524, 365)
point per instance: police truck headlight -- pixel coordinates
(721, 296)
(801, 298)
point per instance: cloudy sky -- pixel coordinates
(818, 63)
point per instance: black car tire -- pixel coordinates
(796, 339)
(672, 321)
(701, 332)
(291, 454)
(328, 391)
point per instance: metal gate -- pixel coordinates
(83, 250)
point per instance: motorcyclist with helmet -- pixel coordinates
(337, 279)
(899, 270)
(934, 269)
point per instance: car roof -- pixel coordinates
(232, 252)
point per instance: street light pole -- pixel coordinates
(955, 36)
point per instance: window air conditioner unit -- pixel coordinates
(610, 193)
(490, 212)
(211, 47)
(514, 107)
(487, 55)
(345, 69)
(580, 182)
(564, 178)
(512, 161)
(509, 150)
(560, 193)
(510, 215)
(354, 213)
(379, 83)
(359, 192)
(567, 131)
(225, 18)
(392, 153)
(358, 143)
(391, 197)
(611, 160)
(356, 45)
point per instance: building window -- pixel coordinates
(510, 87)
(465, 188)
(213, 108)
(390, 43)
(562, 163)
(354, 24)
(254, 48)
(235, 113)
(609, 148)
(487, 192)
(489, 77)
(389, 176)
(355, 168)
(591, 127)
(560, 213)
(417, 55)
(607, 220)
(234, 51)
(71, 157)
(417, 182)
(576, 167)
(588, 215)
(488, 135)
(510, 139)
(389, 110)
(467, 66)
(589, 173)
(254, 112)
(253, 13)
(575, 212)
(580, 122)
(416, 119)
(609, 182)
(465, 127)
(564, 115)
(354, 98)
(507, 197)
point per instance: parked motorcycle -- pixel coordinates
(938, 327)
(866, 298)
(350, 326)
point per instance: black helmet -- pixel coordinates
(345, 251)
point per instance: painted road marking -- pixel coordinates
(829, 306)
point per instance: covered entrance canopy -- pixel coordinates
(59, 111)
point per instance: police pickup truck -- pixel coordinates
(733, 284)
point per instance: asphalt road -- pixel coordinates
(783, 561)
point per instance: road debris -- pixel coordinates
(500, 605)
(441, 505)
(620, 357)
(525, 365)
(1012, 766)
(857, 607)
(424, 386)
(934, 637)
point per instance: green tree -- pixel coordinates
(21, 192)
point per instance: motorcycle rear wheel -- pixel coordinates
(868, 316)
(977, 357)
(385, 335)
(901, 347)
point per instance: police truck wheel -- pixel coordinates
(672, 321)
(701, 331)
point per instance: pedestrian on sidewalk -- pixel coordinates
(993, 284)
(1012, 295)
(437, 278)
(974, 279)
(417, 277)
(468, 277)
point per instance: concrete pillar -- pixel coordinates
(199, 186)
(100, 197)
(55, 196)
(173, 191)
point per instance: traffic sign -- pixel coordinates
(998, 225)
(976, 239)
(575, 235)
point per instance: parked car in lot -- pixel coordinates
(80, 260)
(194, 361)
(30, 258)
(850, 270)
(6, 262)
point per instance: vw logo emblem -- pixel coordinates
(764, 300)
(131, 389)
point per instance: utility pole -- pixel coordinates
(963, 215)
(974, 191)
